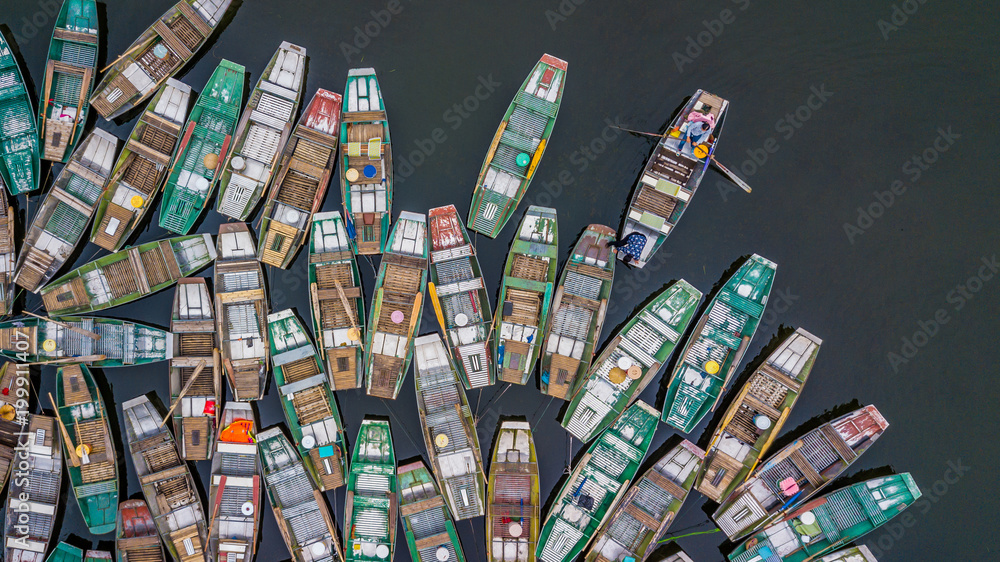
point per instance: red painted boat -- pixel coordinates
(136, 537)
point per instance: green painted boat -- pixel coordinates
(578, 310)
(62, 217)
(158, 54)
(365, 163)
(717, 345)
(135, 536)
(397, 307)
(529, 278)
(513, 512)
(853, 554)
(96, 341)
(649, 507)
(234, 500)
(757, 414)
(517, 147)
(42, 483)
(589, 496)
(631, 360)
(19, 158)
(338, 321)
(64, 552)
(428, 526)
(370, 509)
(91, 460)
(69, 79)
(128, 275)
(206, 139)
(8, 255)
(310, 408)
(142, 167)
(14, 386)
(263, 131)
(830, 522)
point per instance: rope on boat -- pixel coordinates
(535, 415)
(491, 400)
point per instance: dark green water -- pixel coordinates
(813, 160)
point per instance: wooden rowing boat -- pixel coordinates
(672, 174)
(193, 324)
(631, 360)
(166, 480)
(62, 217)
(337, 301)
(65, 552)
(517, 147)
(262, 133)
(430, 531)
(14, 386)
(365, 163)
(234, 501)
(8, 255)
(757, 415)
(41, 483)
(513, 511)
(648, 508)
(460, 295)
(142, 167)
(301, 179)
(370, 509)
(529, 278)
(119, 343)
(397, 307)
(241, 312)
(96, 556)
(19, 170)
(158, 54)
(128, 275)
(449, 429)
(135, 538)
(205, 141)
(578, 309)
(717, 345)
(306, 397)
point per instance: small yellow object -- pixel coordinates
(675, 133)
(7, 412)
(701, 150)
(441, 440)
(353, 334)
(711, 367)
(137, 201)
(211, 160)
(634, 372)
(616, 375)
(49, 345)
(82, 449)
(352, 174)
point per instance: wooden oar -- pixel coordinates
(728, 418)
(436, 304)
(81, 331)
(418, 301)
(187, 387)
(74, 460)
(349, 311)
(314, 300)
(81, 359)
(127, 53)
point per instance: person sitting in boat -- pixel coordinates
(696, 130)
(631, 247)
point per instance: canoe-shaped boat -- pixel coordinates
(128, 275)
(590, 494)
(830, 522)
(717, 345)
(517, 147)
(301, 180)
(458, 294)
(135, 537)
(397, 307)
(430, 531)
(241, 312)
(41, 482)
(649, 507)
(192, 322)
(757, 415)
(264, 129)
(306, 397)
(631, 360)
(14, 386)
(513, 511)
(529, 278)
(166, 480)
(798, 471)
(449, 429)
(365, 163)
(64, 552)
(91, 460)
(205, 141)
(672, 174)
(370, 509)
(578, 309)
(299, 508)
(234, 500)
(8, 255)
(69, 78)
(142, 167)
(118, 343)
(337, 303)
(19, 158)
(853, 554)
(61, 220)
(159, 53)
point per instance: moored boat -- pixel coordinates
(578, 309)
(430, 531)
(529, 278)
(717, 345)
(14, 386)
(19, 169)
(65, 552)
(370, 510)
(41, 483)
(234, 500)
(458, 294)
(517, 147)
(159, 53)
(513, 511)
(631, 360)
(301, 179)
(98, 342)
(8, 255)
(448, 428)
(96, 556)
(135, 537)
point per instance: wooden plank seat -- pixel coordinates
(530, 267)
(401, 279)
(526, 306)
(64, 34)
(300, 370)
(297, 190)
(155, 267)
(311, 405)
(176, 43)
(194, 18)
(359, 116)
